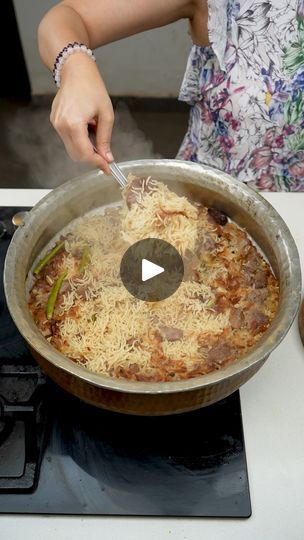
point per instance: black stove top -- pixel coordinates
(61, 456)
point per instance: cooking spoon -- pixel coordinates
(115, 170)
(118, 174)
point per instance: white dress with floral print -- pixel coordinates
(247, 93)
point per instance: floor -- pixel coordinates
(32, 155)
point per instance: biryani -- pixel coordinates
(225, 303)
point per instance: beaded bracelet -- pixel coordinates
(71, 48)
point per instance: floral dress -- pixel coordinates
(247, 93)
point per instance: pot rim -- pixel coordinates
(271, 339)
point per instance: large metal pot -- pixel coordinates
(78, 196)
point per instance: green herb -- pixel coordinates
(43, 262)
(54, 294)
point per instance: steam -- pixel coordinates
(128, 141)
(40, 152)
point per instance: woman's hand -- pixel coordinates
(81, 101)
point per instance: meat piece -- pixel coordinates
(238, 240)
(205, 245)
(218, 216)
(171, 334)
(260, 279)
(256, 321)
(41, 286)
(220, 354)
(246, 277)
(236, 318)
(199, 368)
(137, 182)
(252, 260)
(258, 296)
(234, 282)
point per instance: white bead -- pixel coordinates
(71, 49)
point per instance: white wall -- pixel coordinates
(150, 64)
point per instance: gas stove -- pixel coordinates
(61, 456)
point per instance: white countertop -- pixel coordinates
(273, 417)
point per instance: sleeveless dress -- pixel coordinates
(246, 90)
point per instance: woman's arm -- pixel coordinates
(82, 98)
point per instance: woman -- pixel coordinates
(244, 81)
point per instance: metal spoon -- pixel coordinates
(115, 170)
(118, 174)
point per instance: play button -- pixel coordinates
(151, 270)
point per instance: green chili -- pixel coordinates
(84, 259)
(43, 262)
(53, 296)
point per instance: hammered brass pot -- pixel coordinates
(95, 190)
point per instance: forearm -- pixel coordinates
(97, 22)
(60, 26)
(82, 98)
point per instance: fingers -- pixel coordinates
(104, 134)
(77, 143)
(73, 131)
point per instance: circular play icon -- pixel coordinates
(151, 270)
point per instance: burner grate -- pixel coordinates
(22, 426)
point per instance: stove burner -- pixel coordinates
(22, 424)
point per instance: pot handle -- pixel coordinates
(8, 227)
(19, 219)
